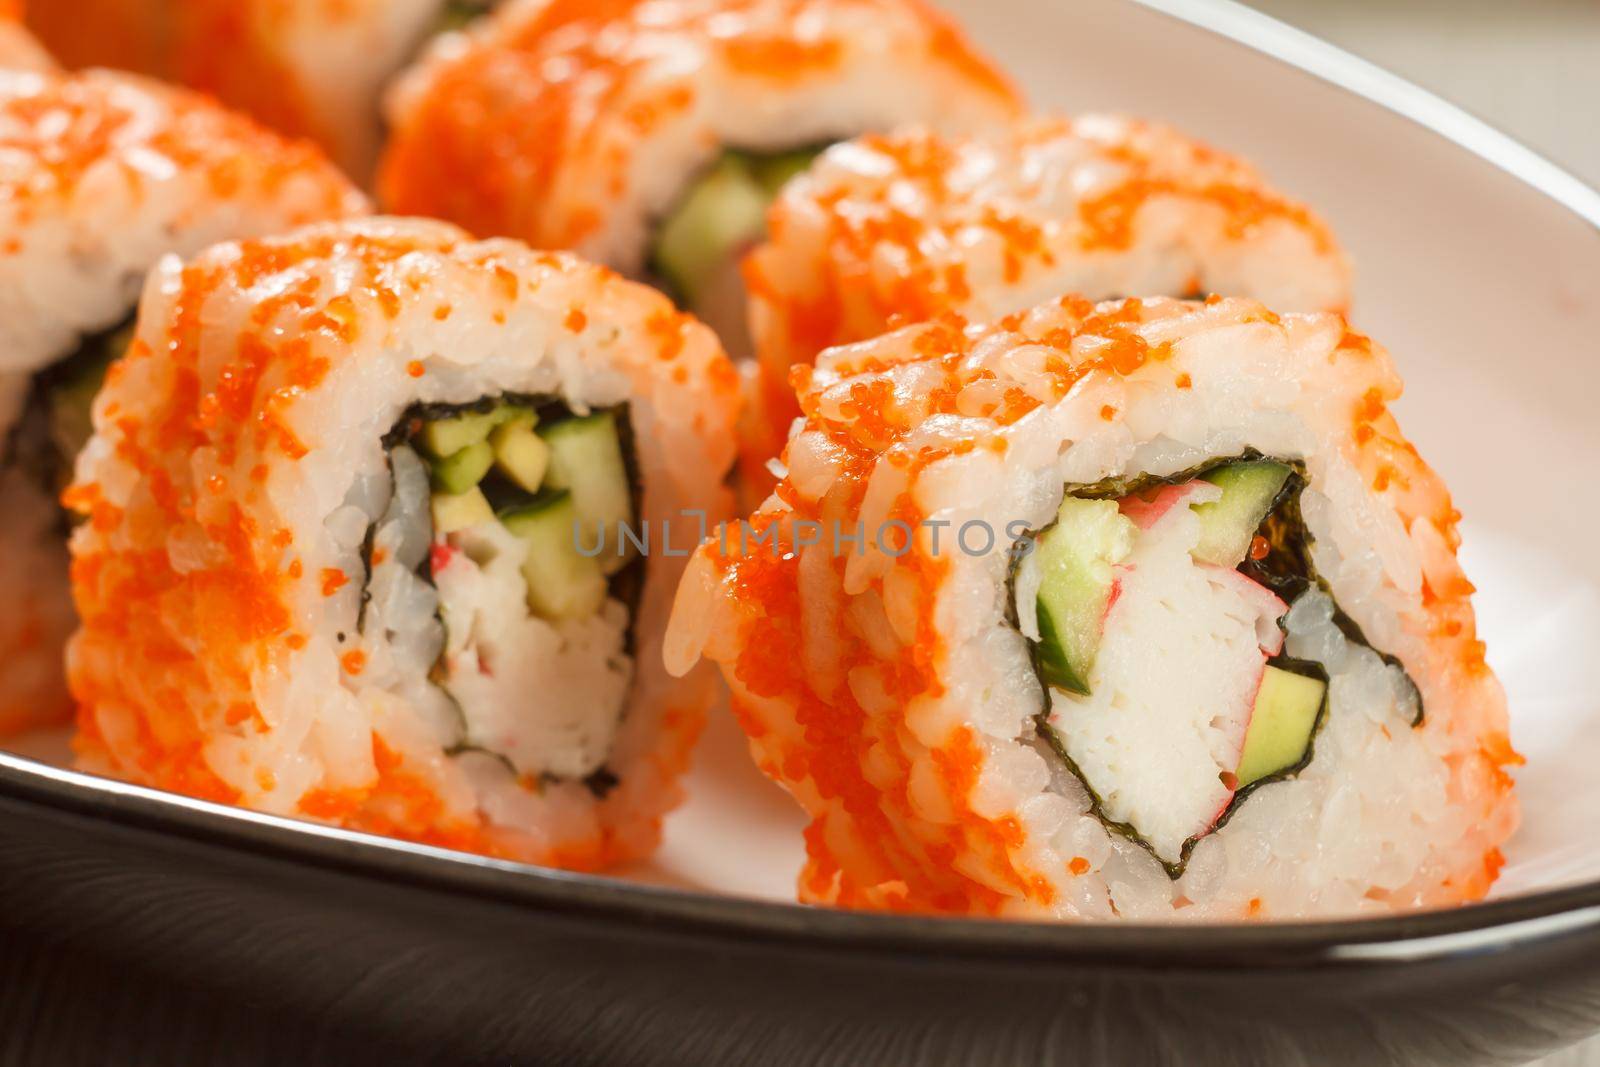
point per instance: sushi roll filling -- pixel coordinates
(1156, 612)
(500, 562)
(55, 422)
(459, 14)
(700, 243)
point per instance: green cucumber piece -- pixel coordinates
(586, 459)
(457, 511)
(459, 14)
(1285, 715)
(562, 582)
(776, 171)
(462, 469)
(720, 214)
(446, 437)
(519, 453)
(1075, 557)
(1228, 525)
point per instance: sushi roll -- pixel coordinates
(650, 136)
(903, 227)
(104, 174)
(310, 68)
(18, 49)
(391, 539)
(1141, 610)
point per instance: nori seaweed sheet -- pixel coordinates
(31, 446)
(1287, 569)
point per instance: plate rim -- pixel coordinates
(1381, 940)
(1411, 937)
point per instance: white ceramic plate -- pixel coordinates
(1476, 266)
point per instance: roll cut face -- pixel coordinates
(359, 550)
(1155, 614)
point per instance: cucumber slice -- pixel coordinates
(519, 453)
(452, 512)
(774, 172)
(718, 216)
(446, 437)
(586, 459)
(1285, 715)
(462, 469)
(1076, 556)
(1227, 525)
(562, 582)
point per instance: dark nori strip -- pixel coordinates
(1287, 569)
(31, 445)
(602, 781)
(627, 585)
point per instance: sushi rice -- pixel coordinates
(328, 565)
(310, 68)
(666, 127)
(902, 227)
(104, 174)
(1134, 702)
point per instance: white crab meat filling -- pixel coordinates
(547, 696)
(1183, 651)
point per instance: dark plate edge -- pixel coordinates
(1492, 926)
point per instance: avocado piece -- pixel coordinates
(586, 459)
(463, 469)
(519, 453)
(775, 171)
(1285, 716)
(445, 437)
(562, 582)
(457, 511)
(1075, 556)
(1228, 524)
(720, 214)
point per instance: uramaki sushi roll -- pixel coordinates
(902, 227)
(650, 136)
(312, 68)
(1142, 610)
(103, 174)
(18, 49)
(354, 544)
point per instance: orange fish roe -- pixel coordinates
(913, 224)
(484, 136)
(235, 619)
(843, 673)
(66, 125)
(166, 171)
(260, 57)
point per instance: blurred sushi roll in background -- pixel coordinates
(1140, 610)
(100, 175)
(652, 136)
(313, 68)
(900, 228)
(18, 48)
(356, 540)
